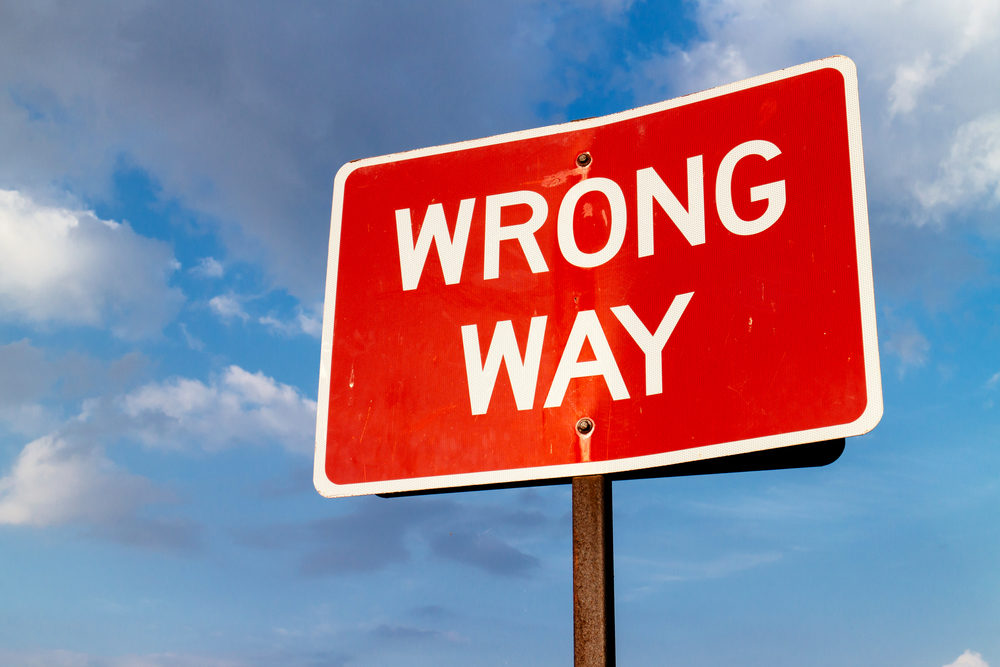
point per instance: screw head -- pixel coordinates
(583, 159)
(585, 426)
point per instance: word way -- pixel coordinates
(522, 370)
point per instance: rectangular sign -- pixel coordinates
(683, 281)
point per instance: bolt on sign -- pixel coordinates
(682, 281)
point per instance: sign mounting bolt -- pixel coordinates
(585, 426)
(583, 159)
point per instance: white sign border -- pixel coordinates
(873, 378)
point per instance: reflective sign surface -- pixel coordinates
(693, 277)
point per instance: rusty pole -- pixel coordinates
(593, 573)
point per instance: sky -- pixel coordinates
(166, 174)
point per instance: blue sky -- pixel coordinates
(165, 180)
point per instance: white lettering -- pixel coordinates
(450, 251)
(586, 327)
(652, 344)
(524, 232)
(523, 375)
(774, 193)
(567, 240)
(690, 221)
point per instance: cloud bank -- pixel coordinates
(68, 477)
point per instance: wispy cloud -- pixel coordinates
(377, 534)
(208, 267)
(231, 307)
(909, 346)
(971, 170)
(993, 381)
(714, 568)
(483, 550)
(409, 635)
(658, 573)
(308, 322)
(228, 307)
(192, 341)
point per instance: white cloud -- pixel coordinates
(192, 341)
(910, 81)
(64, 266)
(67, 477)
(993, 381)
(703, 65)
(208, 267)
(309, 322)
(971, 170)
(913, 78)
(238, 407)
(228, 307)
(909, 345)
(969, 659)
(56, 481)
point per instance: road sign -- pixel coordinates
(678, 282)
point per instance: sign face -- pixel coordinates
(677, 282)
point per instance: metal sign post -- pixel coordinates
(593, 573)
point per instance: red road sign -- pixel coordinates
(694, 277)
